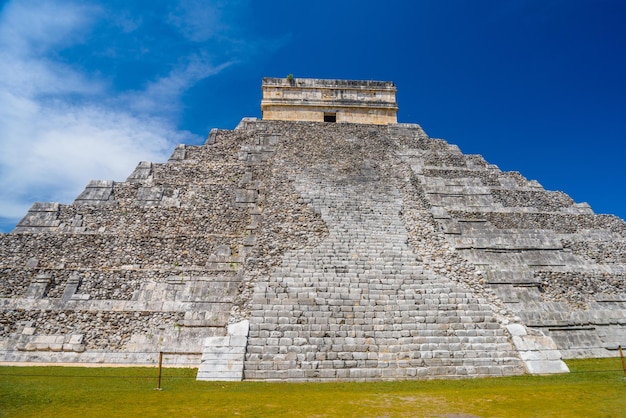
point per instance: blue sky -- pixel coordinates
(90, 88)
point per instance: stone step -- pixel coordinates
(361, 296)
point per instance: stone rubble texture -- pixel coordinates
(301, 251)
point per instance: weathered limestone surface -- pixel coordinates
(357, 252)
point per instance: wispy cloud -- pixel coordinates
(67, 110)
(196, 21)
(163, 95)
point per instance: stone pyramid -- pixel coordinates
(302, 250)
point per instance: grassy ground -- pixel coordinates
(594, 388)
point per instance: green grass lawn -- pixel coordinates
(594, 388)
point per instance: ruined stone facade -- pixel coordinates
(315, 100)
(291, 250)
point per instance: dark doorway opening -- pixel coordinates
(330, 117)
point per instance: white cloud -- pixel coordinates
(33, 26)
(61, 126)
(49, 153)
(62, 148)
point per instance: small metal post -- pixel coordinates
(160, 367)
(621, 354)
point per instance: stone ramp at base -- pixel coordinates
(223, 356)
(359, 306)
(539, 352)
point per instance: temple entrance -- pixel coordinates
(330, 117)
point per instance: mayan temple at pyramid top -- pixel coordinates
(316, 100)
